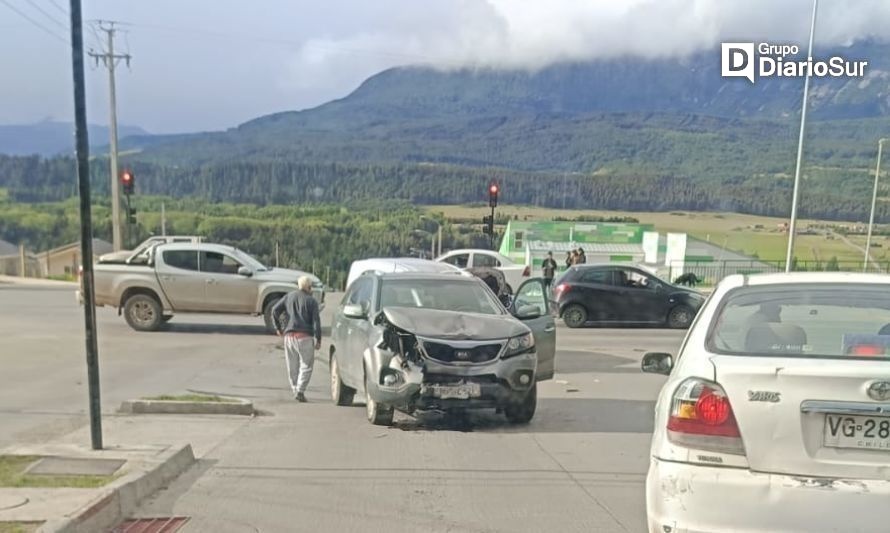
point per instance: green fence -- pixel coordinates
(711, 272)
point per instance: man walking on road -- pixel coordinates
(549, 267)
(302, 335)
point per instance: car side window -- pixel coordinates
(485, 260)
(217, 263)
(360, 293)
(531, 294)
(458, 260)
(598, 275)
(182, 259)
(637, 280)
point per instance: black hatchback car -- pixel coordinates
(613, 295)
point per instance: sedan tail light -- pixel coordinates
(701, 417)
(527, 272)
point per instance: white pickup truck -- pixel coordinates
(194, 278)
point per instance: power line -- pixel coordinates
(60, 8)
(47, 15)
(34, 22)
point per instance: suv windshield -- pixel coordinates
(825, 320)
(456, 295)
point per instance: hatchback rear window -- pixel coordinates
(804, 320)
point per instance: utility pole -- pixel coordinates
(874, 200)
(86, 223)
(110, 60)
(792, 227)
(163, 221)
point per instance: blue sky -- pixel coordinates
(212, 64)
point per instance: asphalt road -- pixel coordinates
(579, 466)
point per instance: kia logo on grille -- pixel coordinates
(463, 355)
(879, 390)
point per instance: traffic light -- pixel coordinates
(128, 182)
(493, 195)
(131, 215)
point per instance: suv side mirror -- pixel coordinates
(244, 271)
(527, 312)
(658, 363)
(354, 311)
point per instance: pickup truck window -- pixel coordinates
(184, 259)
(218, 263)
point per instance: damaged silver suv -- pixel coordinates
(440, 342)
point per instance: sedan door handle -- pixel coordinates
(549, 329)
(209, 281)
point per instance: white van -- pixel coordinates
(396, 264)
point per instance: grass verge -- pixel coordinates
(191, 398)
(12, 474)
(19, 527)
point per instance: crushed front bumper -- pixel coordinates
(686, 498)
(498, 383)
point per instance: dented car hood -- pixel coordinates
(454, 325)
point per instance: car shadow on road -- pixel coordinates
(554, 415)
(222, 329)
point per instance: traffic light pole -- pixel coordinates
(491, 232)
(128, 240)
(82, 145)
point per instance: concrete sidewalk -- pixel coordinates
(36, 283)
(154, 449)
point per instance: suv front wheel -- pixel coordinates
(523, 412)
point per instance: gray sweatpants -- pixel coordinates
(300, 356)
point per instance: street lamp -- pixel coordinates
(803, 120)
(874, 200)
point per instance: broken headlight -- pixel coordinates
(520, 345)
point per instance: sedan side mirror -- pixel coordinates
(244, 271)
(354, 311)
(527, 312)
(658, 363)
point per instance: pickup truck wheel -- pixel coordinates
(267, 315)
(143, 312)
(378, 415)
(523, 412)
(340, 393)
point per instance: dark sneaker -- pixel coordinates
(301, 397)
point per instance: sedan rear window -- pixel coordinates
(804, 320)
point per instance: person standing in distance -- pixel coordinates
(549, 267)
(302, 335)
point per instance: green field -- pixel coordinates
(748, 234)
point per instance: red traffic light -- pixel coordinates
(493, 189)
(126, 177)
(128, 182)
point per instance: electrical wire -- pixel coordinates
(60, 8)
(47, 15)
(34, 22)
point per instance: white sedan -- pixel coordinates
(515, 274)
(776, 412)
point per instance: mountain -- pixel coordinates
(49, 138)
(645, 114)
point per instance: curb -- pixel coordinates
(123, 496)
(171, 407)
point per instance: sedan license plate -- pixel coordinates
(863, 432)
(463, 391)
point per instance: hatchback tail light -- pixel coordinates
(527, 272)
(560, 290)
(701, 417)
